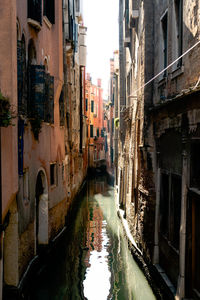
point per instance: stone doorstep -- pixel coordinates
(165, 279)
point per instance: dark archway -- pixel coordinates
(41, 198)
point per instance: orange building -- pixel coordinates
(95, 122)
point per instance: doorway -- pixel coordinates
(41, 198)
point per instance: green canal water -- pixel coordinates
(92, 260)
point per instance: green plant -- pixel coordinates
(5, 113)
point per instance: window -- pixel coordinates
(78, 5)
(53, 174)
(111, 155)
(35, 10)
(94, 131)
(49, 10)
(86, 104)
(41, 94)
(62, 109)
(165, 41)
(97, 132)
(91, 131)
(178, 6)
(92, 106)
(170, 208)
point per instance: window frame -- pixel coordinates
(49, 10)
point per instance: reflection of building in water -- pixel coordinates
(95, 217)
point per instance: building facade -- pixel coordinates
(94, 114)
(157, 155)
(43, 98)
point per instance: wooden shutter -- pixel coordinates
(36, 91)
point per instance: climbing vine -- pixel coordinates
(5, 111)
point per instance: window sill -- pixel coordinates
(162, 81)
(34, 24)
(179, 71)
(47, 22)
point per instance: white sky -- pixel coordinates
(101, 20)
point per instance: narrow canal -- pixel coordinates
(92, 261)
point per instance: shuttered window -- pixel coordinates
(86, 104)
(92, 106)
(91, 131)
(36, 91)
(35, 10)
(61, 109)
(49, 10)
(41, 94)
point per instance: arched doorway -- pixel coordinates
(41, 198)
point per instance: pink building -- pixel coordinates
(8, 136)
(32, 152)
(43, 158)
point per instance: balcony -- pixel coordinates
(35, 13)
(41, 94)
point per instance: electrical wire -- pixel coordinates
(156, 76)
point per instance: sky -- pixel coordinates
(101, 20)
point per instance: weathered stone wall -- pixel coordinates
(136, 191)
(57, 216)
(26, 248)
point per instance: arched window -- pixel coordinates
(46, 65)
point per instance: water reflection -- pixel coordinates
(93, 261)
